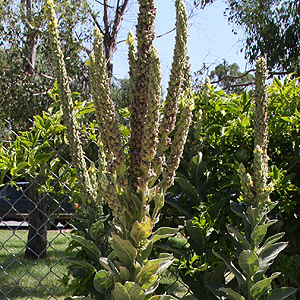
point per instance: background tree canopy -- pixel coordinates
(271, 27)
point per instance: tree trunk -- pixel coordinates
(37, 226)
(31, 44)
(109, 48)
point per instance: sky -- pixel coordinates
(210, 39)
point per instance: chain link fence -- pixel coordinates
(38, 273)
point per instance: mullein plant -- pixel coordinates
(133, 188)
(255, 253)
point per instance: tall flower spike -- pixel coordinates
(178, 142)
(176, 78)
(87, 192)
(153, 110)
(260, 124)
(145, 35)
(246, 184)
(104, 106)
(132, 57)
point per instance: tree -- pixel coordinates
(28, 157)
(27, 73)
(272, 29)
(230, 78)
(110, 29)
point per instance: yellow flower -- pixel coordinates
(55, 23)
(130, 38)
(89, 201)
(88, 63)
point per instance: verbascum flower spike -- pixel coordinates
(260, 124)
(145, 35)
(104, 107)
(178, 143)
(176, 77)
(246, 184)
(260, 176)
(88, 194)
(153, 111)
(132, 57)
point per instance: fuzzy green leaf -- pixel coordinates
(124, 273)
(272, 239)
(88, 246)
(124, 250)
(232, 294)
(248, 261)
(137, 201)
(239, 276)
(260, 287)
(79, 262)
(154, 267)
(163, 232)
(128, 291)
(238, 236)
(282, 293)
(145, 252)
(266, 258)
(141, 230)
(96, 230)
(196, 167)
(103, 280)
(150, 269)
(162, 297)
(79, 298)
(109, 266)
(187, 188)
(253, 215)
(260, 231)
(166, 260)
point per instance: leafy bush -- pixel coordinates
(221, 138)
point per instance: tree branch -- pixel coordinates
(96, 22)
(105, 18)
(232, 77)
(118, 19)
(103, 4)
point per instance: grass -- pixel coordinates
(40, 280)
(21, 277)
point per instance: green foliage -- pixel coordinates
(207, 180)
(254, 257)
(26, 71)
(85, 273)
(28, 156)
(272, 30)
(226, 76)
